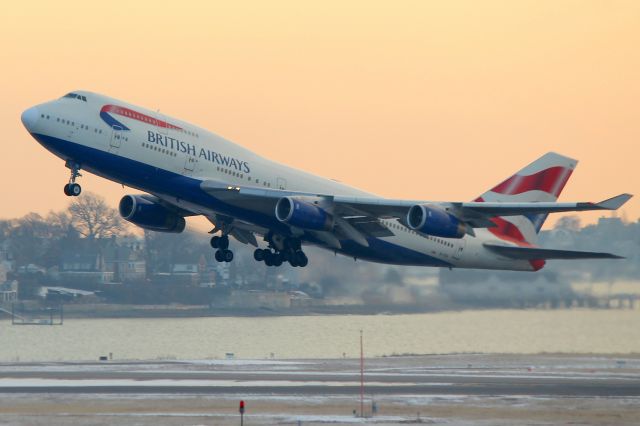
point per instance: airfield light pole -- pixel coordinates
(361, 376)
(241, 413)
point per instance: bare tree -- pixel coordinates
(59, 223)
(93, 218)
(30, 239)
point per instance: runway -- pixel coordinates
(496, 388)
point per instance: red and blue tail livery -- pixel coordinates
(542, 180)
(183, 170)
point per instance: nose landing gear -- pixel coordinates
(73, 189)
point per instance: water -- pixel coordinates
(491, 331)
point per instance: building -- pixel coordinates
(8, 291)
(103, 261)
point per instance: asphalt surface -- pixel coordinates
(460, 375)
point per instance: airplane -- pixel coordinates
(185, 170)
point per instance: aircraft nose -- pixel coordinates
(30, 117)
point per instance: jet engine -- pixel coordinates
(434, 220)
(303, 214)
(148, 214)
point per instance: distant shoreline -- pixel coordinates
(190, 311)
(100, 310)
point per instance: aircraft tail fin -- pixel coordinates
(542, 180)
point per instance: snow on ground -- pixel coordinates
(37, 382)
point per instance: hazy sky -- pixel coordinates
(421, 100)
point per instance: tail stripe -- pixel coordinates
(509, 232)
(507, 229)
(551, 180)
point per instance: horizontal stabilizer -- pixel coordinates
(515, 209)
(614, 203)
(535, 253)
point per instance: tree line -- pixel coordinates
(38, 239)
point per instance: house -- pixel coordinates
(125, 259)
(8, 291)
(103, 261)
(84, 264)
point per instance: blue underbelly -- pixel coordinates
(155, 180)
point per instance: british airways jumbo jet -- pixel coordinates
(185, 171)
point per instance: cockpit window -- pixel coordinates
(75, 96)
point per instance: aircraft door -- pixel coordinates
(459, 248)
(117, 136)
(281, 183)
(189, 165)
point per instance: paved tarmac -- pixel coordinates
(325, 389)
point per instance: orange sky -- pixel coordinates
(427, 100)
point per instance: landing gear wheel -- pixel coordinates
(72, 189)
(301, 259)
(75, 189)
(224, 255)
(219, 256)
(258, 255)
(215, 242)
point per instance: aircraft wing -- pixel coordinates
(469, 210)
(535, 253)
(477, 214)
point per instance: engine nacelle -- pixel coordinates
(148, 214)
(433, 220)
(303, 214)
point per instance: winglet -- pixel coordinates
(614, 203)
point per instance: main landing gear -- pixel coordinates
(221, 243)
(73, 189)
(277, 258)
(280, 251)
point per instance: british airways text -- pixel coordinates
(185, 147)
